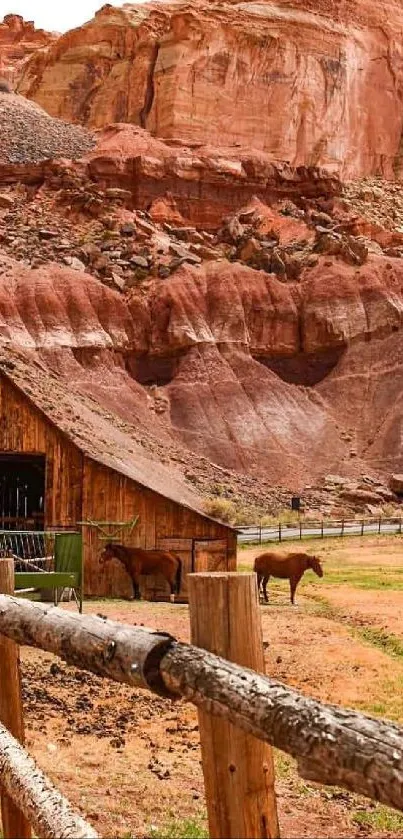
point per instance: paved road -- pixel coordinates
(271, 534)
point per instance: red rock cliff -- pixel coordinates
(303, 81)
(18, 40)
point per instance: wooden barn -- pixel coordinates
(63, 461)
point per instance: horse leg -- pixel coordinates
(293, 586)
(265, 581)
(172, 585)
(136, 587)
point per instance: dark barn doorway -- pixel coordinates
(22, 492)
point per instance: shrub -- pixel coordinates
(285, 516)
(5, 87)
(246, 515)
(220, 508)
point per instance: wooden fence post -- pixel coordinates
(15, 825)
(238, 768)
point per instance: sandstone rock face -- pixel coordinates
(310, 83)
(18, 40)
(100, 72)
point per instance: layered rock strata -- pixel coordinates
(204, 184)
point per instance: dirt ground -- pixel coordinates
(130, 762)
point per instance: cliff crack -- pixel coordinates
(149, 94)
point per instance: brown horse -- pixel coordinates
(139, 562)
(285, 567)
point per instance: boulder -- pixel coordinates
(74, 262)
(128, 229)
(396, 483)
(139, 261)
(277, 265)
(6, 201)
(329, 243)
(322, 219)
(359, 497)
(250, 251)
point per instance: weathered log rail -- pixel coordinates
(331, 745)
(47, 811)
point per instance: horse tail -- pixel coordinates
(178, 576)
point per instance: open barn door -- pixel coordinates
(22, 491)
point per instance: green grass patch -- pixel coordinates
(283, 765)
(180, 829)
(388, 643)
(380, 819)
(364, 577)
(387, 702)
(376, 709)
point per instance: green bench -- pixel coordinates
(68, 571)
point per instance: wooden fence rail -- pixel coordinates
(332, 745)
(47, 811)
(11, 713)
(319, 528)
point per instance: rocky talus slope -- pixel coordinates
(312, 83)
(28, 135)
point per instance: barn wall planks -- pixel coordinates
(232, 549)
(109, 496)
(24, 429)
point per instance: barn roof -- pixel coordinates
(99, 435)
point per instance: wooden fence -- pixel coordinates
(319, 529)
(242, 712)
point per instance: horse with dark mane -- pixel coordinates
(285, 567)
(138, 562)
